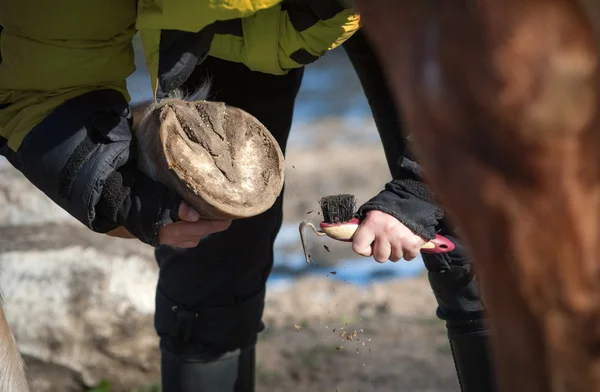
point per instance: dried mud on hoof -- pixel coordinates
(219, 158)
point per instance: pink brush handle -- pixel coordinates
(442, 245)
(438, 245)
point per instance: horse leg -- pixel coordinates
(12, 369)
(502, 99)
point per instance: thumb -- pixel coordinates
(187, 213)
(362, 241)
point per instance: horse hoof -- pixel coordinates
(219, 158)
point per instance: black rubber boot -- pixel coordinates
(472, 357)
(456, 289)
(232, 372)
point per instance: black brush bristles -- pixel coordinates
(338, 208)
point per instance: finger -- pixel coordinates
(223, 225)
(217, 226)
(413, 248)
(187, 213)
(190, 231)
(382, 250)
(362, 241)
(167, 235)
(396, 254)
(186, 244)
(410, 254)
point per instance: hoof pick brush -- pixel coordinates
(340, 223)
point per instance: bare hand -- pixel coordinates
(188, 232)
(382, 236)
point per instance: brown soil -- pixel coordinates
(330, 336)
(390, 353)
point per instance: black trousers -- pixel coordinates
(210, 299)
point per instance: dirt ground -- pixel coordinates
(341, 338)
(399, 354)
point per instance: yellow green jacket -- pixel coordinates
(53, 51)
(65, 117)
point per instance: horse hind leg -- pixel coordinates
(12, 366)
(502, 100)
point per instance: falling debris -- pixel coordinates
(339, 348)
(297, 327)
(293, 166)
(326, 248)
(309, 212)
(333, 272)
(349, 335)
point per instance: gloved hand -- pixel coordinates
(400, 219)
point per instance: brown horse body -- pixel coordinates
(502, 100)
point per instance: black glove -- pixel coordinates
(409, 200)
(83, 157)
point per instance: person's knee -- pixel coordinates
(207, 332)
(226, 267)
(455, 286)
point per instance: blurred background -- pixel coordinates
(81, 304)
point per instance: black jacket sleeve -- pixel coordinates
(83, 157)
(408, 199)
